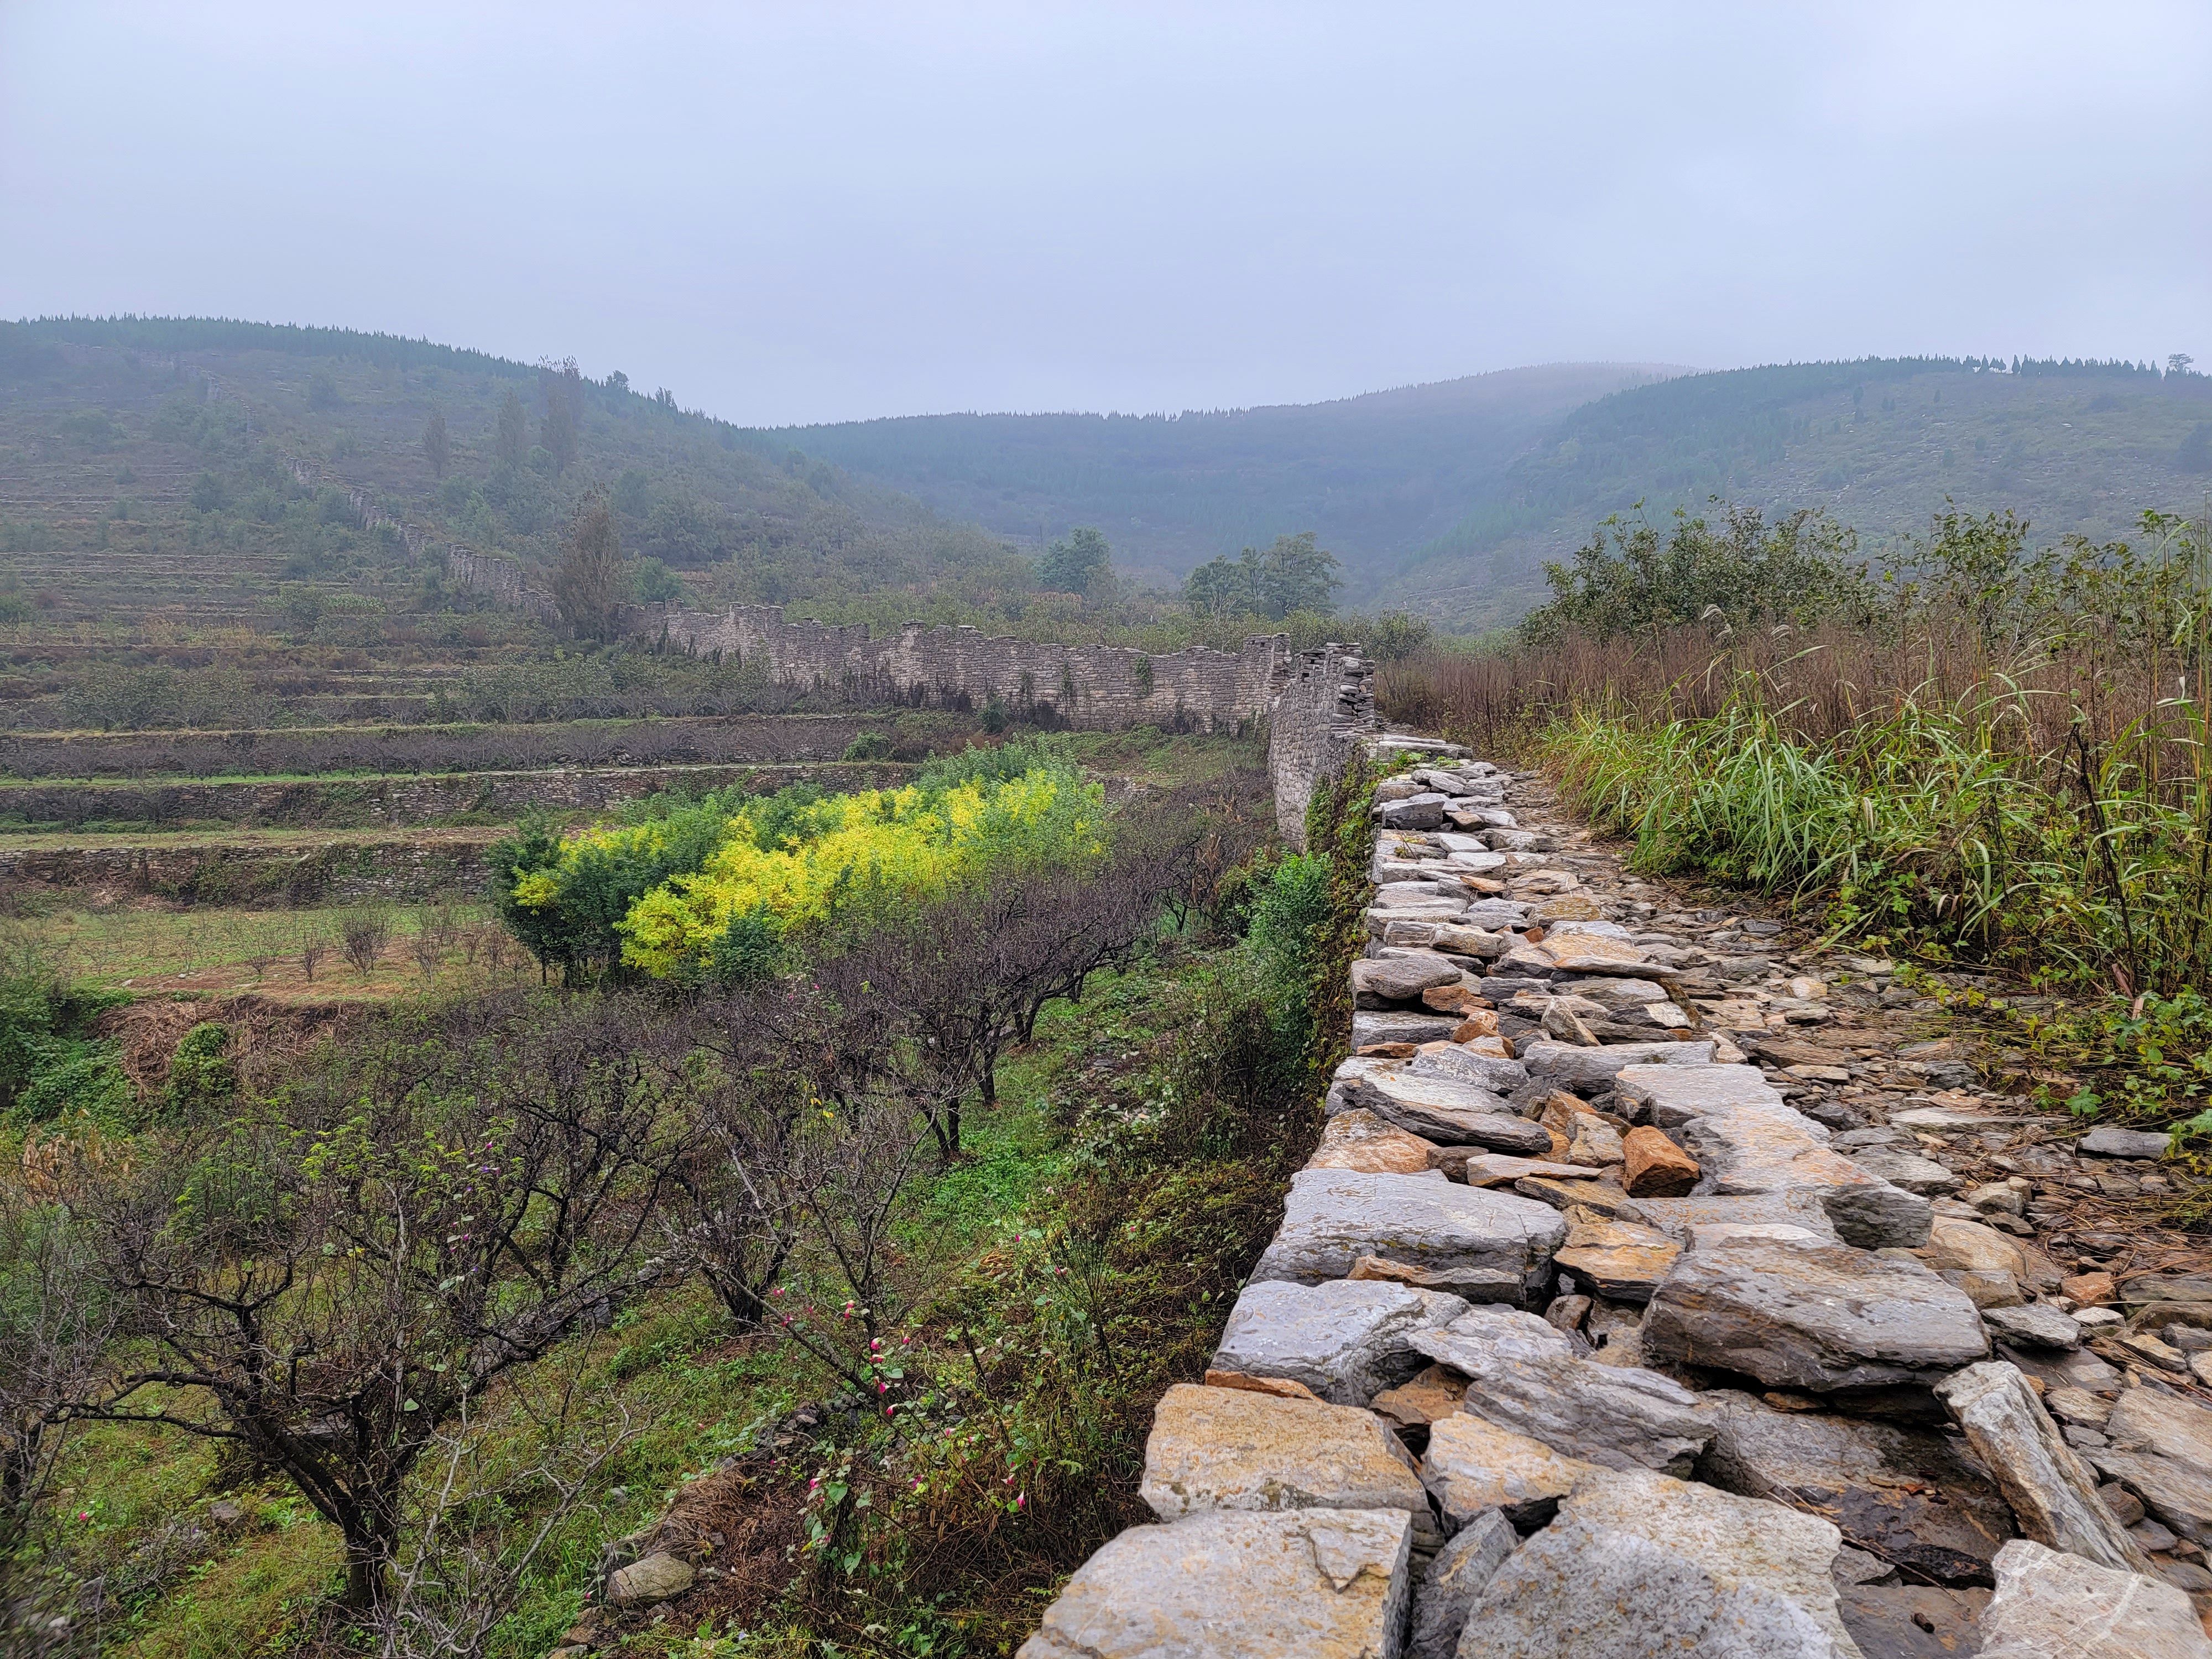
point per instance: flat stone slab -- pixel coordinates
(2112, 1141)
(1360, 1141)
(2049, 1605)
(1616, 1258)
(1748, 1140)
(1637, 1564)
(1448, 1112)
(1372, 1028)
(2035, 1326)
(1226, 1448)
(1459, 1064)
(1402, 978)
(1527, 1380)
(2176, 1492)
(1909, 1171)
(2053, 1497)
(1904, 1493)
(1818, 1317)
(1346, 1340)
(1328, 1583)
(2165, 1424)
(1480, 1169)
(1334, 1217)
(1573, 1066)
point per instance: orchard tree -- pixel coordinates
(589, 584)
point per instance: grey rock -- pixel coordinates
(1906, 1493)
(2078, 1370)
(2053, 1497)
(1459, 1573)
(2167, 1424)
(2033, 1326)
(1368, 1028)
(1909, 1171)
(1334, 1217)
(2049, 1605)
(1748, 1140)
(1522, 1375)
(1462, 1065)
(1348, 1339)
(1330, 1582)
(1422, 812)
(1810, 1315)
(1638, 1564)
(1570, 1066)
(1494, 914)
(1912, 1621)
(2170, 1489)
(1470, 941)
(1402, 978)
(2111, 1142)
(658, 1578)
(1612, 994)
(1448, 1112)
(1680, 1217)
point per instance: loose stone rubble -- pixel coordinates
(1661, 1286)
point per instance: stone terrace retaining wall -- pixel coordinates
(1551, 1255)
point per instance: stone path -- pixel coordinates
(1663, 1286)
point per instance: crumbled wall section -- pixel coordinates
(1324, 709)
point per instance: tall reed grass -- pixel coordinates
(2006, 761)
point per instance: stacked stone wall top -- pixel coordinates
(1579, 1336)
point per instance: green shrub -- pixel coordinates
(201, 1073)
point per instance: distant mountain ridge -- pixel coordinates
(1377, 476)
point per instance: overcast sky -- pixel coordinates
(812, 211)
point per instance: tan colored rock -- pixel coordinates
(2090, 1289)
(1454, 999)
(1472, 1466)
(1229, 1448)
(1381, 1270)
(1656, 1166)
(1282, 1388)
(1480, 1169)
(1479, 1022)
(1319, 1583)
(1563, 1194)
(1487, 1043)
(1388, 1050)
(658, 1578)
(1616, 1258)
(1429, 1398)
(1360, 1139)
(1970, 1247)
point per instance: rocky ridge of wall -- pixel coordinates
(1579, 1338)
(1321, 713)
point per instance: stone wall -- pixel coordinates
(1090, 687)
(1322, 710)
(1497, 1387)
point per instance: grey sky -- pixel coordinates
(816, 211)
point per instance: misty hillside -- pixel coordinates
(1378, 477)
(203, 468)
(1882, 443)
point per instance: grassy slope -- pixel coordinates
(1376, 476)
(1883, 445)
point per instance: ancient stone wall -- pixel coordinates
(1090, 687)
(1322, 710)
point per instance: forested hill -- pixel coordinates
(1378, 477)
(2076, 447)
(201, 467)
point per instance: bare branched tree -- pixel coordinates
(330, 1288)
